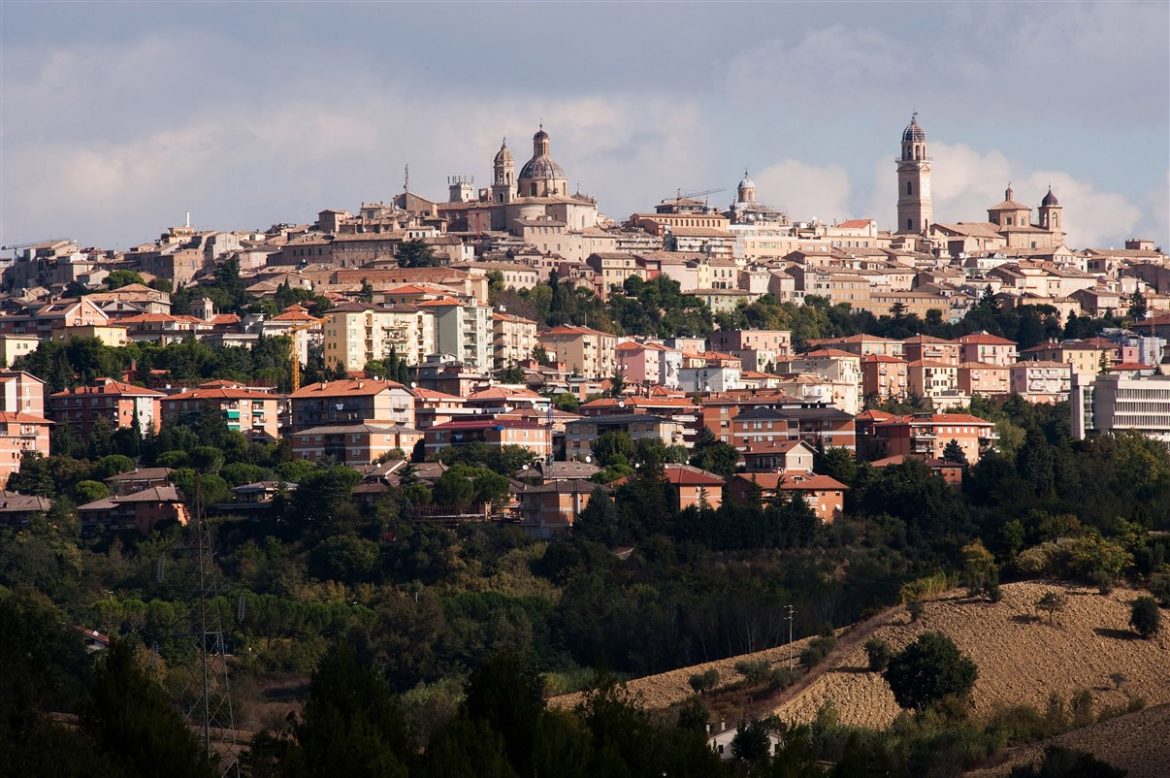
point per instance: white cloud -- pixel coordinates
(805, 191)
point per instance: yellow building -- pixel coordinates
(513, 338)
(585, 351)
(357, 333)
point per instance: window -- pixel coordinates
(909, 187)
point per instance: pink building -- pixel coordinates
(23, 426)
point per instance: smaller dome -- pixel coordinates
(913, 133)
(540, 135)
(503, 155)
(1049, 199)
(747, 182)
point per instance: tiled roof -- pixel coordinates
(345, 387)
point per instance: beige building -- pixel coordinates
(357, 333)
(611, 270)
(988, 349)
(463, 328)
(987, 380)
(255, 414)
(13, 347)
(584, 351)
(513, 338)
(360, 401)
(1041, 382)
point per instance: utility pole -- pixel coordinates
(791, 613)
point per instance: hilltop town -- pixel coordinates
(430, 450)
(519, 315)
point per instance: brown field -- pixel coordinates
(671, 688)
(1138, 742)
(1021, 660)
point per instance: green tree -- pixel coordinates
(351, 723)
(953, 452)
(119, 278)
(1051, 603)
(751, 743)
(132, 718)
(879, 653)
(416, 253)
(1144, 617)
(614, 448)
(929, 669)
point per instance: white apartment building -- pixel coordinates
(356, 333)
(1121, 401)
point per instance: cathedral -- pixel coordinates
(1008, 226)
(538, 196)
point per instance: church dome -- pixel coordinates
(503, 155)
(541, 167)
(1049, 199)
(747, 182)
(913, 133)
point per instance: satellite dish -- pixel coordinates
(414, 384)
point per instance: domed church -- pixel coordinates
(537, 199)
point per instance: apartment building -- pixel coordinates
(121, 404)
(463, 329)
(23, 426)
(581, 433)
(354, 444)
(513, 339)
(352, 401)
(987, 349)
(584, 351)
(1041, 382)
(358, 333)
(983, 379)
(256, 414)
(928, 435)
(884, 377)
(1122, 400)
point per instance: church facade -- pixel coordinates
(538, 197)
(1009, 223)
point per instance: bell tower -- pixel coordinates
(914, 205)
(503, 175)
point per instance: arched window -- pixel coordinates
(909, 187)
(909, 224)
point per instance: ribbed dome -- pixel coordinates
(747, 182)
(541, 167)
(503, 155)
(1049, 199)
(913, 133)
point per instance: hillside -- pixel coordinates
(1136, 742)
(1021, 660)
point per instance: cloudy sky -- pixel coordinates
(118, 118)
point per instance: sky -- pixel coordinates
(118, 118)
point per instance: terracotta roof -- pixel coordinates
(685, 475)
(22, 418)
(573, 329)
(351, 386)
(220, 394)
(882, 358)
(986, 339)
(831, 352)
(108, 386)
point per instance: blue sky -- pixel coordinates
(118, 118)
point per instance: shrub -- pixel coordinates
(782, 678)
(879, 652)
(924, 588)
(704, 681)
(929, 669)
(817, 650)
(1051, 603)
(1160, 588)
(915, 608)
(755, 671)
(1102, 580)
(1144, 617)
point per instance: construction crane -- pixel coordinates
(680, 196)
(294, 352)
